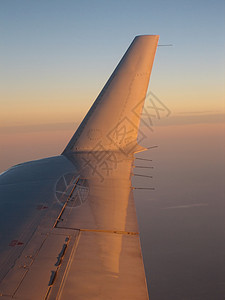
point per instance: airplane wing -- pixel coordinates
(68, 226)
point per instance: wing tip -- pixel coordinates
(145, 36)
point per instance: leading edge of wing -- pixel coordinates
(113, 120)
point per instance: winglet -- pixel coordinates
(112, 122)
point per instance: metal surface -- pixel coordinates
(68, 223)
(104, 265)
(120, 103)
(27, 202)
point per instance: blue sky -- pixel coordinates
(62, 46)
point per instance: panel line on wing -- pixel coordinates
(66, 202)
(58, 265)
(102, 230)
(58, 289)
(111, 231)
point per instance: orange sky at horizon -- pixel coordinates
(27, 109)
(25, 146)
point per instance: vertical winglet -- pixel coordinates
(113, 120)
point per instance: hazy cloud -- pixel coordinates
(38, 128)
(195, 118)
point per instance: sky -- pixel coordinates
(55, 58)
(57, 55)
(182, 222)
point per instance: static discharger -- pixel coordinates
(143, 188)
(152, 147)
(144, 167)
(166, 45)
(143, 159)
(142, 175)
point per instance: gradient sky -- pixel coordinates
(57, 55)
(55, 58)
